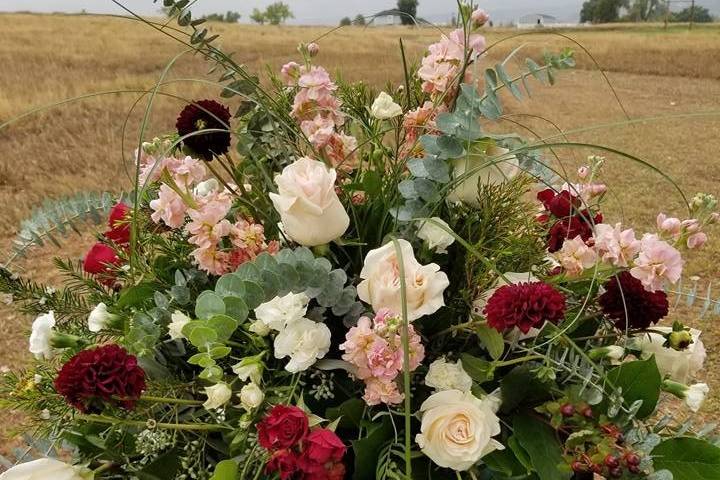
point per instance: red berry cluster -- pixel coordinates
(296, 452)
(601, 450)
(102, 258)
(563, 209)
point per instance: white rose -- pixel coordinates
(384, 107)
(695, 396)
(41, 336)
(443, 375)
(680, 366)
(436, 237)
(251, 396)
(279, 311)
(179, 320)
(477, 168)
(99, 318)
(218, 395)
(44, 469)
(309, 208)
(457, 429)
(304, 341)
(381, 282)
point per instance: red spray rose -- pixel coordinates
(561, 204)
(631, 306)
(524, 305)
(579, 225)
(283, 427)
(100, 261)
(330, 471)
(106, 374)
(321, 446)
(284, 462)
(119, 224)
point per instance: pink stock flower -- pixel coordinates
(441, 67)
(657, 264)
(697, 240)
(211, 260)
(186, 170)
(583, 172)
(479, 17)
(669, 225)
(289, 73)
(379, 391)
(341, 151)
(384, 361)
(357, 343)
(614, 245)
(168, 207)
(316, 82)
(575, 256)
(319, 130)
(691, 226)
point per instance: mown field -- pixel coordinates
(671, 79)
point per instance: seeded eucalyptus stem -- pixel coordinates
(406, 359)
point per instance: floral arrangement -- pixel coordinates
(337, 283)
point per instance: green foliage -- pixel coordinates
(229, 17)
(275, 14)
(698, 14)
(409, 11)
(258, 16)
(644, 10)
(367, 449)
(542, 446)
(58, 218)
(345, 22)
(601, 11)
(688, 458)
(638, 380)
(359, 20)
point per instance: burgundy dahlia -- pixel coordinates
(524, 305)
(631, 306)
(205, 115)
(95, 377)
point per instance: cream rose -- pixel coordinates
(492, 168)
(679, 365)
(444, 375)
(434, 235)
(380, 286)
(384, 107)
(457, 428)
(251, 396)
(217, 396)
(44, 469)
(309, 208)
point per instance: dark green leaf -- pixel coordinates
(688, 459)
(539, 441)
(639, 380)
(492, 340)
(479, 370)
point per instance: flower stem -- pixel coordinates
(406, 360)
(514, 361)
(172, 401)
(137, 423)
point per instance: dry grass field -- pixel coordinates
(79, 146)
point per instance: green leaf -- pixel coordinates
(688, 459)
(229, 285)
(505, 78)
(350, 413)
(202, 359)
(236, 308)
(519, 386)
(541, 444)
(492, 340)
(225, 470)
(136, 295)
(479, 370)
(223, 325)
(639, 380)
(219, 352)
(209, 304)
(202, 336)
(368, 449)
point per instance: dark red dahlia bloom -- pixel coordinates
(578, 225)
(631, 306)
(119, 224)
(524, 305)
(204, 115)
(561, 204)
(284, 462)
(101, 375)
(282, 428)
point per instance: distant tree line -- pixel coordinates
(609, 11)
(229, 17)
(275, 14)
(406, 10)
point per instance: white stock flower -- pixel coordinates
(99, 318)
(179, 320)
(384, 107)
(279, 311)
(680, 365)
(457, 429)
(309, 207)
(45, 469)
(251, 396)
(615, 354)
(258, 327)
(42, 333)
(476, 168)
(444, 375)
(436, 237)
(380, 286)
(203, 189)
(304, 341)
(695, 396)
(218, 395)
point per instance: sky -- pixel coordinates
(325, 12)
